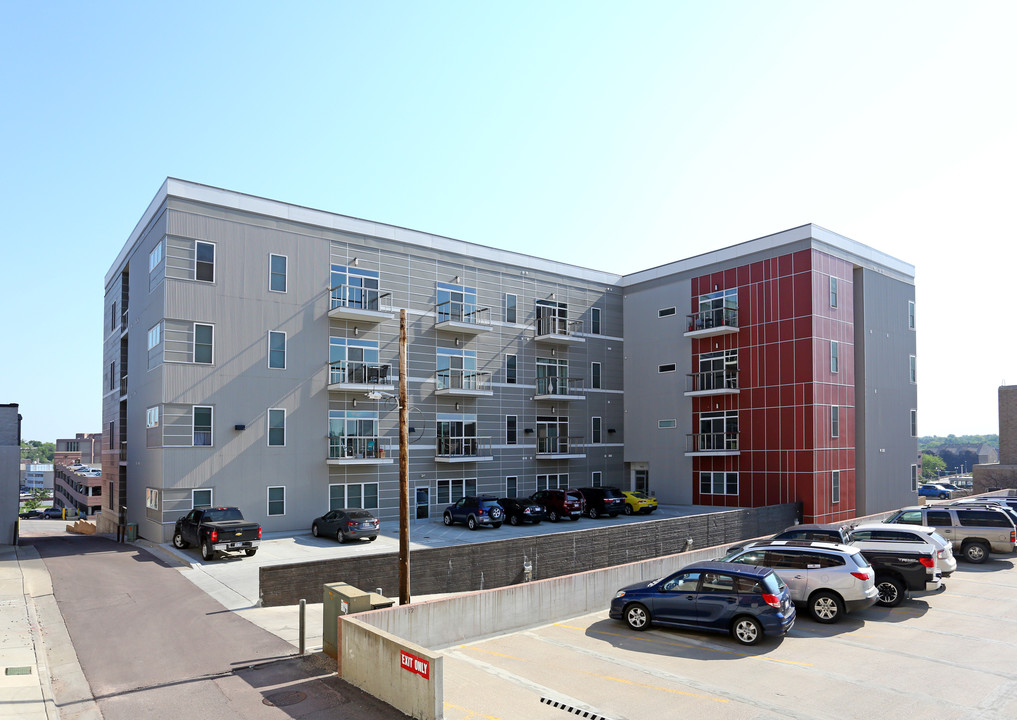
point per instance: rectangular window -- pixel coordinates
(112, 376)
(914, 478)
(201, 419)
(666, 424)
(835, 487)
(510, 430)
(669, 367)
(553, 482)
(595, 429)
(277, 273)
(911, 314)
(449, 491)
(155, 257)
(355, 288)
(511, 486)
(833, 292)
(552, 318)
(510, 369)
(113, 316)
(354, 495)
(154, 335)
(597, 478)
(151, 498)
(718, 483)
(276, 427)
(201, 498)
(666, 312)
(595, 375)
(835, 421)
(204, 262)
(595, 321)
(202, 344)
(912, 369)
(276, 350)
(510, 308)
(834, 356)
(152, 417)
(277, 500)
(914, 423)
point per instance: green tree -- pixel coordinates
(35, 451)
(932, 465)
(35, 502)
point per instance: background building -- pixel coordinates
(36, 476)
(10, 472)
(243, 336)
(1003, 473)
(82, 448)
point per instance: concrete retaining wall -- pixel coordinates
(479, 566)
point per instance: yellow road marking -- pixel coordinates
(470, 713)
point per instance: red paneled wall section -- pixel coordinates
(787, 327)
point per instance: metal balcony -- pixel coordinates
(348, 302)
(359, 377)
(460, 317)
(558, 331)
(358, 450)
(709, 323)
(719, 382)
(561, 448)
(463, 449)
(463, 383)
(711, 444)
(559, 388)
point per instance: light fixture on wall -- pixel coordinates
(554, 296)
(239, 427)
(356, 330)
(354, 402)
(354, 262)
(457, 342)
(457, 406)
(611, 431)
(456, 279)
(528, 431)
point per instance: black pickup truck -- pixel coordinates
(217, 530)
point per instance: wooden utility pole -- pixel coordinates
(404, 470)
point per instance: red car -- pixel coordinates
(559, 504)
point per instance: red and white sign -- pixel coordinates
(414, 664)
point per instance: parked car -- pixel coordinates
(346, 524)
(29, 514)
(559, 504)
(602, 501)
(747, 602)
(1009, 509)
(825, 532)
(907, 537)
(637, 501)
(53, 513)
(974, 532)
(520, 510)
(474, 511)
(217, 530)
(830, 579)
(933, 490)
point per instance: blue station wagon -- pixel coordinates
(747, 601)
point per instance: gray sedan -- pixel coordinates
(343, 525)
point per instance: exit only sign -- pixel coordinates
(414, 664)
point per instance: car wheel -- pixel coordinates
(975, 552)
(592, 512)
(207, 553)
(637, 616)
(340, 536)
(891, 592)
(496, 525)
(943, 496)
(178, 541)
(372, 538)
(746, 630)
(314, 530)
(552, 515)
(513, 519)
(250, 552)
(447, 519)
(471, 522)
(628, 509)
(825, 607)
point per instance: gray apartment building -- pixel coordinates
(10, 472)
(251, 356)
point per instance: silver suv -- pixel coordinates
(829, 579)
(974, 532)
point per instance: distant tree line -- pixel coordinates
(34, 451)
(933, 442)
(952, 452)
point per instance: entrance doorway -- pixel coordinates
(423, 502)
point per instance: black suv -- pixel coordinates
(475, 511)
(603, 501)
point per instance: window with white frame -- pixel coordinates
(277, 273)
(668, 424)
(552, 376)
(276, 500)
(154, 335)
(718, 483)
(152, 417)
(835, 486)
(667, 368)
(204, 261)
(353, 495)
(554, 481)
(834, 421)
(595, 375)
(833, 292)
(511, 486)
(595, 430)
(201, 425)
(456, 303)
(596, 479)
(911, 314)
(834, 356)
(667, 312)
(202, 343)
(510, 369)
(511, 429)
(449, 491)
(354, 287)
(276, 427)
(201, 497)
(510, 307)
(155, 257)
(353, 434)
(152, 498)
(595, 321)
(276, 350)
(457, 370)
(912, 369)
(552, 317)
(914, 423)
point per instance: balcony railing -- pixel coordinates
(560, 446)
(358, 372)
(463, 448)
(718, 321)
(714, 382)
(357, 447)
(358, 303)
(559, 330)
(559, 388)
(720, 443)
(462, 317)
(463, 382)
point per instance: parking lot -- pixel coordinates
(944, 655)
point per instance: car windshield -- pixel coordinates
(220, 514)
(359, 515)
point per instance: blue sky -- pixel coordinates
(617, 136)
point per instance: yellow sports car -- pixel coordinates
(638, 502)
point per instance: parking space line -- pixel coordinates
(469, 713)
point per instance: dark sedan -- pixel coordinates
(343, 525)
(520, 510)
(53, 513)
(29, 514)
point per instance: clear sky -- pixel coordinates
(617, 136)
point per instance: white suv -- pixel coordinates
(829, 579)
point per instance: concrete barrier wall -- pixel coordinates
(499, 563)
(406, 676)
